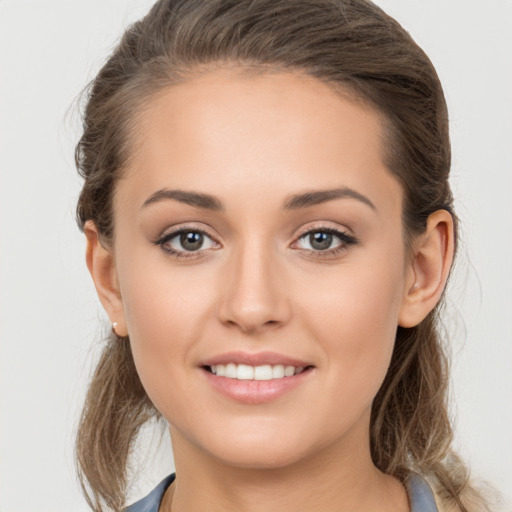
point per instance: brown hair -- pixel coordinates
(350, 44)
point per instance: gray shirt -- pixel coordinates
(421, 496)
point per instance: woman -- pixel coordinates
(270, 230)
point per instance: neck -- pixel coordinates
(340, 478)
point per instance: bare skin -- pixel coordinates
(258, 281)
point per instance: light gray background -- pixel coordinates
(49, 314)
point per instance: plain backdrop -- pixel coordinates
(50, 320)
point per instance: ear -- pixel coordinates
(101, 265)
(428, 269)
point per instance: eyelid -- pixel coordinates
(175, 231)
(344, 235)
(185, 226)
(324, 226)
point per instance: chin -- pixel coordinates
(260, 458)
(260, 449)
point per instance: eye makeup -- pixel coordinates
(320, 240)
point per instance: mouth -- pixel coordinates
(255, 378)
(261, 372)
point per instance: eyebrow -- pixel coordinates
(321, 196)
(192, 198)
(293, 202)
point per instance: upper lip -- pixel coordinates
(254, 359)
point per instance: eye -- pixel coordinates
(325, 241)
(186, 243)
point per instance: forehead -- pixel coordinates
(231, 132)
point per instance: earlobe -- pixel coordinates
(428, 270)
(101, 265)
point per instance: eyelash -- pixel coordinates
(345, 238)
(181, 254)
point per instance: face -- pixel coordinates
(260, 258)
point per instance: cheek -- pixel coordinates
(160, 297)
(164, 305)
(356, 323)
(165, 313)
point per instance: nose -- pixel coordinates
(253, 290)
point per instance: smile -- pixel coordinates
(247, 372)
(255, 378)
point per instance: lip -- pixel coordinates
(255, 359)
(255, 391)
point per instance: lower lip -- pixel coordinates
(255, 391)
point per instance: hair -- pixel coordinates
(354, 46)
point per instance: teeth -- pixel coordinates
(230, 371)
(289, 371)
(263, 372)
(278, 371)
(246, 372)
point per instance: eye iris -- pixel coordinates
(320, 240)
(191, 240)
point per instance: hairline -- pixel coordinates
(133, 126)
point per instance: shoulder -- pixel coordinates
(424, 497)
(151, 502)
(421, 496)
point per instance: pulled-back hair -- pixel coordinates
(355, 47)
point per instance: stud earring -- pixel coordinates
(114, 325)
